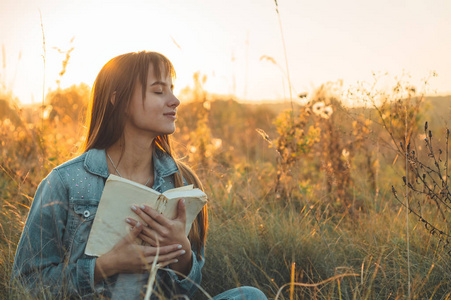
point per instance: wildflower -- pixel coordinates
(217, 143)
(327, 112)
(318, 108)
(46, 114)
(345, 153)
(264, 135)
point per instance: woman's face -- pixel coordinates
(156, 114)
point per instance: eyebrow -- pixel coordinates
(161, 83)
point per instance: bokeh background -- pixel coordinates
(226, 40)
(318, 128)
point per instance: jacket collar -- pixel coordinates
(163, 163)
(95, 163)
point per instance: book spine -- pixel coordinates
(162, 201)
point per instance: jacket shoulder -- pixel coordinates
(79, 160)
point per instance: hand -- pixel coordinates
(163, 231)
(159, 230)
(129, 257)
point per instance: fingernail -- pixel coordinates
(176, 261)
(128, 220)
(138, 224)
(134, 207)
(142, 207)
(179, 247)
(183, 201)
(183, 251)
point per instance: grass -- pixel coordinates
(294, 243)
(257, 247)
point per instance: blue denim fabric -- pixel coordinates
(242, 293)
(50, 255)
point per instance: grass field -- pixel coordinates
(301, 202)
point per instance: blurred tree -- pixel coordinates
(68, 105)
(8, 112)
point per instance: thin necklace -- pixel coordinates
(117, 171)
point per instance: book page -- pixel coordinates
(195, 199)
(178, 189)
(109, 225)
(119, 194)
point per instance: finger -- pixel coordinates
(152, 237)
(152, 251)
(139, 212)
(165, 257)
(181, 210)
(166, 263)
(133, 222)
(148, 265)
(148, 215)
(148, 239)
(134, 232)
(170, 256)
(156, 216)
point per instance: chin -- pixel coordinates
(168, 132)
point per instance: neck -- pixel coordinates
(132, 159)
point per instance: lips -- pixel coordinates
(171, 114)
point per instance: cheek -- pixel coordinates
(150, 107)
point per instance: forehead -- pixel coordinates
(158, 72)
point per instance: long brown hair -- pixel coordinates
(105, 121)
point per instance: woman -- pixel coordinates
(131, 113)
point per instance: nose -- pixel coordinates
(173, 102)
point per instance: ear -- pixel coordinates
(113, 98)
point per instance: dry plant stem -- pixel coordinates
(41, 138)
(431, 191)
(408, 207)
(44, 54)
(403, 149)
(286, 56)
(293, 271)
(260, 269)
(312, 284)
(384, 124)
(434, 230)
(446, 161)
(153, 274)
(438, 173)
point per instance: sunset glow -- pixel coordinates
(225, 40)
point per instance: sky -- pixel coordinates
(326, 40)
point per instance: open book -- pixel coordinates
(119, 194)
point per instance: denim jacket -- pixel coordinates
(50, 255)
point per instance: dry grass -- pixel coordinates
(346, 242)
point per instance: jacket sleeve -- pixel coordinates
(42, 264)
(189, 284)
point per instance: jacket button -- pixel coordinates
(86, 213)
